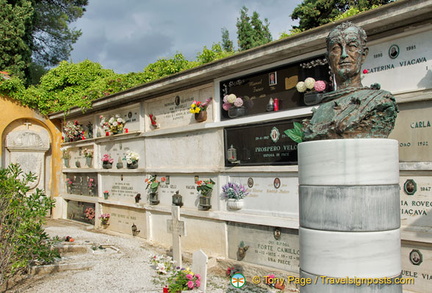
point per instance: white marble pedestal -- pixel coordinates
(349, 215)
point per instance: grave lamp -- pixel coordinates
(177, 199)
(232, 155)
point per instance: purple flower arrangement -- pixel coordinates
(234, 191)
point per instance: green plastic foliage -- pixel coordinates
(23, 241)
(296, 133)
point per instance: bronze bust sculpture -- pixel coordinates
(352, 111)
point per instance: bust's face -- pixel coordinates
(345, 53)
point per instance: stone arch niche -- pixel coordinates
(27, 144)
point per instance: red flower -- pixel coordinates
(365, 71)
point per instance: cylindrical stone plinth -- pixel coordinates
(349, 215)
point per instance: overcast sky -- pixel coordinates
(128, 35)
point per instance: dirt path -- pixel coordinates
(103, 262)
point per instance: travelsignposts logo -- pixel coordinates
(238, 280)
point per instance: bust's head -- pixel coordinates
(346, 52)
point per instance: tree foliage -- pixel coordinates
(23, 241)
(37, 31)
(52, 38)
(164, 67)
(252, 32)
(227, 44)
(215, 53)
(15, 52)
(313, 13)
(79, 84)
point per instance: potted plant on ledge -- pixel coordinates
(132, 160)
(200, 109)
(88, 154)
(114, 125)
(104, 219)
(107, 161)
(234, 194)
(152, 186)
(66, 158)
(205, 188)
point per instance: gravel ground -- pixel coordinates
(109, 263)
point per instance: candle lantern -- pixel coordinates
(232, 155)
(177, 199)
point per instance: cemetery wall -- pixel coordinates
(27, 138)
(250, 147)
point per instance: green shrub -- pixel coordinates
(23, 241)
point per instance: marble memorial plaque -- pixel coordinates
(260, 90)
(78, 183)
(416, 201)
(417, 264)
(262, 245)
(185, 185)
(118, 150)
(122, 219)
(124, 187)
(413, 130)
(81, 211)
(270, 195)
(401, 64)
(177, 151)
(27, 145)
(131, 116)
(173, 110)
(263, 144)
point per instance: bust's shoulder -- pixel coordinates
(360, 93)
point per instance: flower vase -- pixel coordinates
(235, 204)
(201, 116)
(106, 165)
(133, 165)
(154, 198)
(66, 163)
(204, 202)
(89, 161)
(312, 98)
(104, 223)
(235, 112)
(114, 132)
(106, 195)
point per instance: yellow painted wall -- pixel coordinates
(12, 111)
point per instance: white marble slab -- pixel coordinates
(341, 254)
(405, 68)
(122, 219)
(173, 110)
(350, 208)
(416, 206)
(417, 264)
(262, 247)
(349, 162)
(413, 130)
